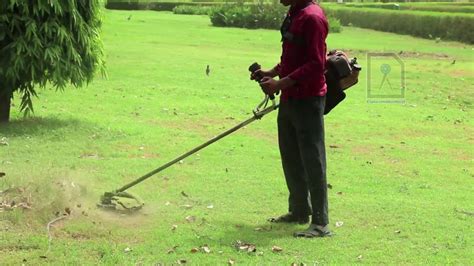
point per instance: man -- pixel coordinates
(300, 117)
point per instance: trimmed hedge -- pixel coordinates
(438, 7)
(260, 15)
(192, 10)
(422, 24)
(158, 6)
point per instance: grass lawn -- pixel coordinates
(401, 174)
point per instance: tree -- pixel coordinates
(47, 42)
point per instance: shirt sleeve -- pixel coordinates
(314, 35)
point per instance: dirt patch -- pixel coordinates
(461, 73)
(15, 197)
(203, 126)
(270, 137)
(18, 247)
(363, 150)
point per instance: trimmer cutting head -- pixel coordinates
(111, 201)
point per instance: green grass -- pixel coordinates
(405, 170)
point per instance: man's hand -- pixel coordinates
(269, 85)
(264, 73)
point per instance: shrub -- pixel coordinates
(192, 10)
(158, 6)
(450, 26)
(259, 15)
(438, 7)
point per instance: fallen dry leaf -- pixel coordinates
(89, 155)
(359, 257)
(24, 205)
(203, 221)
(191, 219)
(194, 250)
(171, 250)
(3, 142)
(2, 174)
(181, 261)
(245, 246)
(206, 249)
(174, 227)
(210, 206)
(398, 232)
(339, 193)
(277, 249)
(167, 203)
(184, 194)
(231, 262)
(127, 249)
(67, 210)
(339, 224)
(187, 206)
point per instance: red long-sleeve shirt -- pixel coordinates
(304, 62)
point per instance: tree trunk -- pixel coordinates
(5, 100)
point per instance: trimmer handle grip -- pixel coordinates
(258, 76)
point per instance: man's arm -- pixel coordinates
(271, 86)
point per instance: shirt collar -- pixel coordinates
(296, 8)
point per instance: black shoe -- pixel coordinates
(314, 230)
(290, 218)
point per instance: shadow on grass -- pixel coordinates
(39, 126)
(261, 235)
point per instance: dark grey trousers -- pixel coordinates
(303, 154)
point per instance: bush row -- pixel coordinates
(158, 6)
(193, 10)
(438, 7)
(259, 15)
(451, 26)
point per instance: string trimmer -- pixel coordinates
(341, 74)
(112, 200)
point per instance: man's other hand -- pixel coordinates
(263, 73)
(269, 85)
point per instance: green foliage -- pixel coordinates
(158, 6)
(450, 26)
(55, 41)
(192, 10)
(438, 7)
(259, 15)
